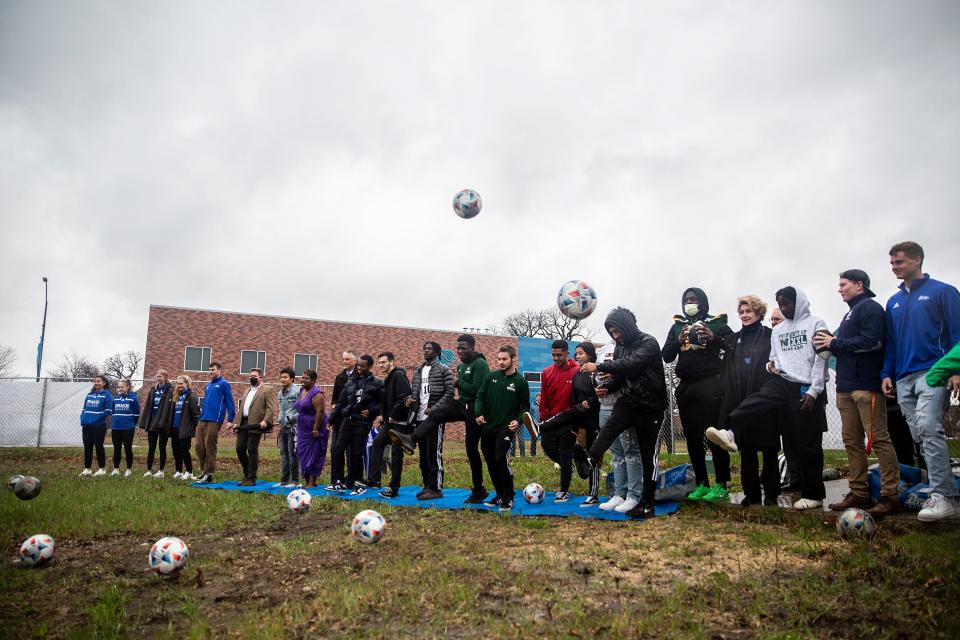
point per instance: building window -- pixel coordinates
(252, 359)
(196, 358)
(303, 361)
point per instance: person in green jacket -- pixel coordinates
(501, 402)
(946, 371)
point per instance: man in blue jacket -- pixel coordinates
(923, 324)
(858, 347)
(217, 407)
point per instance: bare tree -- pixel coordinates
(543, 323)
(74, 367)
(8, 358)
(124, 365)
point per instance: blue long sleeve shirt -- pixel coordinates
(96, 408)
(126, 411)
(923, 324)
(218, 402)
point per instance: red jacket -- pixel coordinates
(556, 389)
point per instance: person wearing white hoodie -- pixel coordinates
(799, 389)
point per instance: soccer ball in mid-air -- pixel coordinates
(298, 501)
(37, 549)
(467, 203)
(28, 488)
(168, 555)
(856, 523)
(13, 482)
(533, 493)
(576, 299)
(368, 527)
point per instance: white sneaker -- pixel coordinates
(115, 472)
(127, 473)
(177, 474)
(188, 476)
(100, 472)
(807, 503)
(613, 502)
(723, 438)
(628, 504)
(148, 474)
(158, 474)
(86, 472)
(937, 507)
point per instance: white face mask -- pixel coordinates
(691, 309)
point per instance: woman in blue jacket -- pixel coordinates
(183, 426)
(93, 422)
(126, 412)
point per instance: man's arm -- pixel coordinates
(228, 397)
(448, 385)
(671, 346)
(481, 401)
(945, 368)
(872, 327)
(270, 417)
(480, 371)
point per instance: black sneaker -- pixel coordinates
(430, 494)
(389, 492)
(206, 479)
(590, 501)
(336, 487)
(506, 506)
(532, 426)
(496, 502)
(477, 496)
(562, 496)
(642, 510)
(403, 440)
(582, 461)
(358, 490)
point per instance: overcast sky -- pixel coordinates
(300, 158)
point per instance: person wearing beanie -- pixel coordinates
(637, 366)
(696, 341)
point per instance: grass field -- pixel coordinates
(259, 571)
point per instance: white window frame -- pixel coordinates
(257, 365)
(309, 356)
(209, 360)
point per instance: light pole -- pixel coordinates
(43, 327)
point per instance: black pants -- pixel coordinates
(396, 455)
(124, 438)
(495, 445)
(753, 478)
(375, 464)
(699, 405)
(352, 438)
(93, 437)
(344, 455)
(153, 439)
(248, 451)
(431, 454)
(908, 451)
(559, 436)
(646, 425)
(802, 430)
(455, 411)
(181, 453)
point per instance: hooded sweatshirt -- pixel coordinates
(695, 361)
(556, 388)
(792, 352)
(636, 363)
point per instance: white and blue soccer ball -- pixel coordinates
(576, 299)
(37, 549)
(168, 555)
(533, 493)
(298, 500)
(856, 523)
(467, 203)
(28, 488)
(368, 527)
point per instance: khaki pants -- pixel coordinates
(206, 446)
(858, 410)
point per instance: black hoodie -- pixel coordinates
(636, 361)
(396, 389)
(696, 363)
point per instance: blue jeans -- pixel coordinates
(627, 465)
(289, 465)
(923, 406)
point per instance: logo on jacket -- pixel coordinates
(511, 387)
(896, 305)
(923, 298)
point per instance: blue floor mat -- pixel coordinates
(453, 499)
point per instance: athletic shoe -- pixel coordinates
(590, 501)
(115, 472)
(148, 474)
(177, 475)
(158, 474)
(358, 490)
(642, 510)
(336, 487)
(86, 472)
(807, 503)
(100, 472)
(403, 440)
(207, 478)
(290, 485)
(496, 502)
(389, 492)
(127, 473)
(699, 492)
(430, 494)
(561, 496)
(717, 493)
(937, 507)
(723, 438)
(627, 505)
(278, 485)
(614, 502)
(506, 506)
(421, 492)
(188, 476)
(477, 496)
(849, 501)
(531, 424)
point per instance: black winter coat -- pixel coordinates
(584, 388)
(743, 373)
(396, 389)
(189, 416)
(637, 363)
(361, 393)
(159, 421)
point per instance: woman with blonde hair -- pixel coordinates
(183, 426)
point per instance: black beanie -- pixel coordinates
(588, 349)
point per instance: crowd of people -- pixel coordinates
(753, 391)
